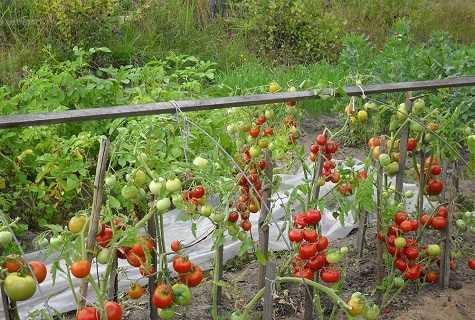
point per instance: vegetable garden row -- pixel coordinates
(125, 220)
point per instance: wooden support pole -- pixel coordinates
(6, 305)
(446, 239)
(360, 239)
(422, 181)
(269, 288)
(152, 232)
(379, 228)
(403, 151)
(265, 213)
(219, 289)
(97, 201)
(113, 287)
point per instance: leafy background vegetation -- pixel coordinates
(157, 50)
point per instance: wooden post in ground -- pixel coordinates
(446, 240)
(113, 287)
(152, 231)
(308, 302)
(403, 151)
(265, 213)
(97, 201)
(268, 293)
(422, 181)
(360, 238)
(379, 228)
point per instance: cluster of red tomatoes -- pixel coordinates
(409, 255)
(112, 310)
(434, 186)
(311, 249)
(195, 195)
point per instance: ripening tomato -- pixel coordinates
(113, 310)
(134, 259)
(181, 264)
(400, 264)
(413, 272)
(175, 245)
(310, 235)
(471, 263)
(331, 147)
(313, 216)
(443, 212)
(76, 224)
(81, 269)
(435, 170)
(411, 253)
(18, 287)
(268, 132)
(147, 270)
(162, 296)
(432, 277)
(136, 291)
(400, 217)
(314, 148)
(434, 187)
(317, 262)
(374, 142)
(406, 226)
(87, 313)
(193, 278)
(300, 219)
(321, 139)
(439, 222)
(39, 269)
(411, 144)
(261, 120)
(322, 243)
(304, 273)
(414, 225)
(104, 237)
(296, 235)
(308, 250)
(246, 225)
(330, 276)
(12, 263)
(426, 219)
(233, 216)
(198, 192)
(254, 132)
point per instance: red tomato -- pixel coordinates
(300, 219)
(261, 120)
(193, 278)
(314, 148)
(176, 245)
(39, 269)
(414, 225)
(296, 235)
(104, 237)
(162, 296)
(268, 131)
(335, 177)
(412, 272)
(471, 263)
(246, 225)
(146, 270)
(122, 252)
(439, 222)
(262, 164)
(317, 262)
(380, 236)
(136, 291)
(374, 142)
(400, 264)
(313, 216)
(331, 147)
(432, 277)
(134, 260)
(81, 269)
(12, 263)
(322, 243)
(233, 216)
(411, 144)
(390, 239)
(198, 192)
(330, 276)
(436, 170)
(443, 212)
(87, 313)
(321, 139)
(310, 235)
(304, 273)
(411, 253)
(181, 264)
(113, 310)
(308, 250)
(406, 226)
(254, 132)
(400, 217)
(434, 187)
(426, 219)
(327, 165)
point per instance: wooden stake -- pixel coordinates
(447, 233)
(422, 181)
(268, 293)
(96, 211)
(379, 228)
(112, 293)
(403, 151)
(152, 231)
(219, 289)
(360, 239)
(263, 218)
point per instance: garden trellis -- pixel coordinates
(38, 119)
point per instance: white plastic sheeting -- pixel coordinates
(60, 298)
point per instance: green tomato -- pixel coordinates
(401, 112)
(384, 159)
(269, 114)
(393, 124)
(177, 200)
(167, 313)
(173, 185)
(408, 194)
(400, 242)
(334, 257)
(472, 229)
(392, 168)
(129, 192)
(460, 224)
(163, 204)
(418, 106)
(398, 282)
(370, 106)
(140, 178)
(181, 293)
(244, 126)
(217, 217)
(237, 316)
(6, 238)
(205, 211)
(231, 129)
(456, 254)
(19, 288)
(468, 214)
(433, 250)
(103, 256)
(55, 241)
(40, 242)
(200, 162)
(255, 151)
(233, 230)
(155, 187)
(415, 127)
(371, 312)
(110, 181)
(242, 235)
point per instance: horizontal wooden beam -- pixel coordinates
(37, 119)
